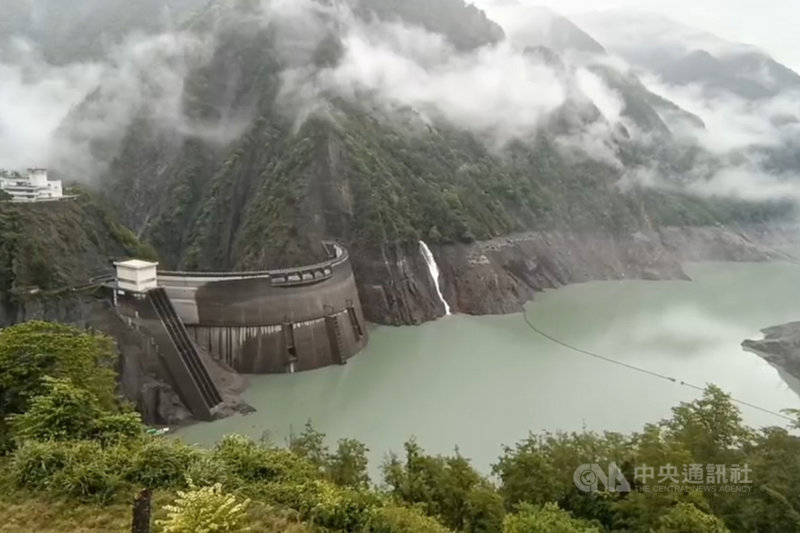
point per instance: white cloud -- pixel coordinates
(34, 100)
(497, 90)
(771, 26)
(52, 116)
(608, 101)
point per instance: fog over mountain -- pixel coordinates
(770, 27)
(630, 90)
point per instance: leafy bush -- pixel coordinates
(346, 467)
(251, 461)
(35, 463)
(339, 508)
(65, 412)
(82, 470)
(33, 350)
(162, 464)
(686, 518)
(206, 510)
(395, 519)
(546, 519)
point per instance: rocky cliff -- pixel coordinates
(500, 275)
(780, 347)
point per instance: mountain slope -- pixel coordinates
(539, 26)
(463, 24)
(379, 173)
(53, 246)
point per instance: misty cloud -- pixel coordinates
(500, 92)
(497, 90)
(732, 122)
(52, 116)
(34, 99)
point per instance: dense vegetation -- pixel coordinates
(75, 458)
(54, 246)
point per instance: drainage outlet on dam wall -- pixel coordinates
(278, 321)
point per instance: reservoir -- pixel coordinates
(481, 382)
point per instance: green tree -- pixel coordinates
(773, 503)
(546, 519)
(539, 470)
(710, 428)
(445, 487)
(348, 465)
(396, 519)
(686, 518)
(310, 444)
(33, 350)
(641, 511)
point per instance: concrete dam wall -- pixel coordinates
(274, 321)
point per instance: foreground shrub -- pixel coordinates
(394, 519)
(324, 503)
(547, 519)
(64, 412)
(82, 470)
(206, 510)
(35, 463)
(686, 518)
(255, 462)
(33, 350)
(162, 464)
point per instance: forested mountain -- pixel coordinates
(256, 129)
(48, 249)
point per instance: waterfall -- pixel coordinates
(434, 270)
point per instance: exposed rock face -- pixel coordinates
(780, 347)
(500, 275)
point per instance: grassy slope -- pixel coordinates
(27, 514)
(23, 512)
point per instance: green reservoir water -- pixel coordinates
(481, 382)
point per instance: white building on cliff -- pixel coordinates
(34, 187)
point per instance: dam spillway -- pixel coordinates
(277, 321)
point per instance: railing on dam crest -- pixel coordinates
(287, 277)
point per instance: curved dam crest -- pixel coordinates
(279, 321)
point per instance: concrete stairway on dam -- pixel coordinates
(188, 370)
(335, 338)
(351, 313)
